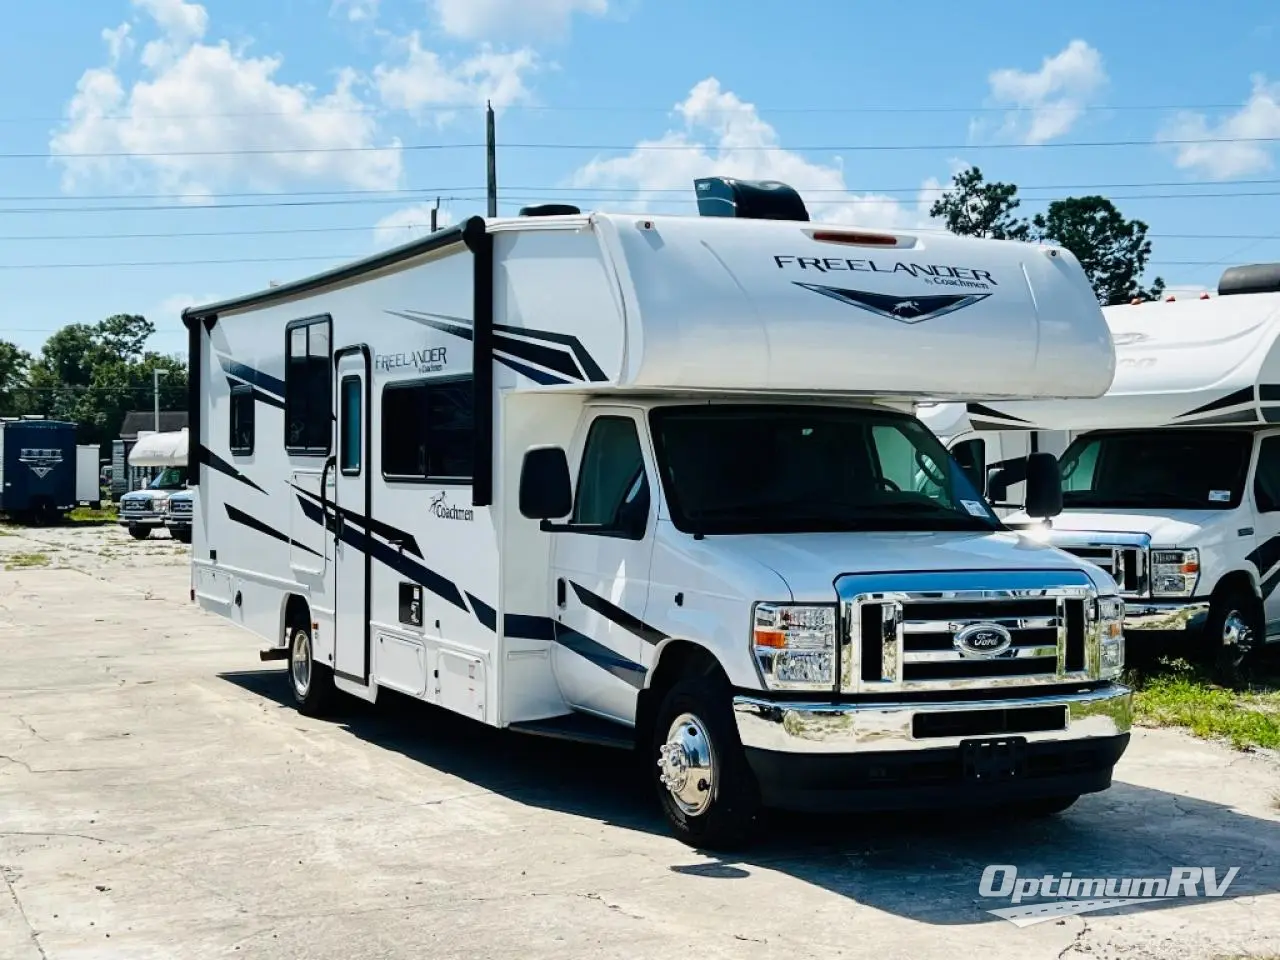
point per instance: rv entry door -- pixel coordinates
(351, 534)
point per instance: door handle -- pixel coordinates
(560, 592)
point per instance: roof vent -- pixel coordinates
(748, 199)
(1250, 278)
(550, 210)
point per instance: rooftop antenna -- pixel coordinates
(491, 153)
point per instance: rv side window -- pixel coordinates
(613, 490)
(1266, 481)
(427, 431)
(308, 387)
(242, 423)
(349, 426)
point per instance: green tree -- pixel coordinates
(1112, 249)
(95, 374)
(972, 207)
(15, 369)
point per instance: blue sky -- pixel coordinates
(603, 103)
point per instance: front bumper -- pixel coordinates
(1164, 615)
(902, 754)
(150, 519)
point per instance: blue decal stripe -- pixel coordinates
(248, 374)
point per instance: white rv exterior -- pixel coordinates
(1172, 479)
(742, 579)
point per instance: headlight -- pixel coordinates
(1110, 637)
(1174, 573)
(795, 645)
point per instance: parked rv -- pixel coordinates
(1172, 479)
(43, 472)
(143, 511)
(180, 514)
(655, 482)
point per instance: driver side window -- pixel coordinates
(903, 466)
(1266, 482)
(613, 489)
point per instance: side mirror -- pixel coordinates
(971, 457)
(545, 490)
(1044, 486)
(1002, 478)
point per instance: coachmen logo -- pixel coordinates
(441, 508)
(982, 641)
(914, 309)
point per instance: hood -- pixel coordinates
(810, 562)
(1174, 528)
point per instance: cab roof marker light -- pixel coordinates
(861, 238)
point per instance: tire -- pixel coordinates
(310, 683)
(139, 533)
(1233, 632)
(182, 536)
(1042, 807)
(705, 787)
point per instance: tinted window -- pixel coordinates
(427, 431)
(308, 388)
(242, 422)
(613, 491)
(1266, 481)
(351, 425)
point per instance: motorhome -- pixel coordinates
(652, 482)
(1172, 479)
(149, 509)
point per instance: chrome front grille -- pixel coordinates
(1126, 557)
(180, 507)
(965, 629)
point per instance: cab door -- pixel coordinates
(1266, 524)
(600, 568)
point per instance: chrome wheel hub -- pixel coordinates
(687, 765)
(300, 662)
(1237, 635)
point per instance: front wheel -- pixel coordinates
(1042, 806)
(139, 533)
(1232, 632)
(311, 683)
(705, 787)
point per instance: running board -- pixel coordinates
(581, 728)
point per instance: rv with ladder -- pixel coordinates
(655, 482)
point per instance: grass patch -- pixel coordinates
(88, 516)
(6, 532)
(25, 561)
(1176, 694)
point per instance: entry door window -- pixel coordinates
(350, 416)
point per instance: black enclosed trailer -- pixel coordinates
(37, 469)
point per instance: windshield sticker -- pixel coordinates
(975, 509)
(1219, 496)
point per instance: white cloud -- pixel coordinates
(355, 10)
(494, 19)
(196, 97)
(423, 79)
(1259, 117)
(1050, 100)
(408, 224)
(119, 43)
(724, 136)
(170, 308)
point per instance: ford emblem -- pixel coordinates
(983, 641)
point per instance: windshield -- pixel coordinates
(792, 469)
(171, 478)
(1170, 469)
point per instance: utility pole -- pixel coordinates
(156, 374)
(491, 149)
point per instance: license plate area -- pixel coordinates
(995, 759)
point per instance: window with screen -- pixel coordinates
(350, 426)
(242, 423)
(308, 386)
(427, 429)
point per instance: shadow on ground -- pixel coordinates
(924, 867)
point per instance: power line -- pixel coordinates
(641, 148)
(432, 192)
(341, 257)
(611, 109)
(144, 208)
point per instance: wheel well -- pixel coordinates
(677, 659)
(296, 613)
(1236, 580)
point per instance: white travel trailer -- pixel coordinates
(1172, 479)
(651, 481)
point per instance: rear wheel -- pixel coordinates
(310, 682)
(705, 787)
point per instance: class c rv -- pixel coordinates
(655, 482)
(1172, 479)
